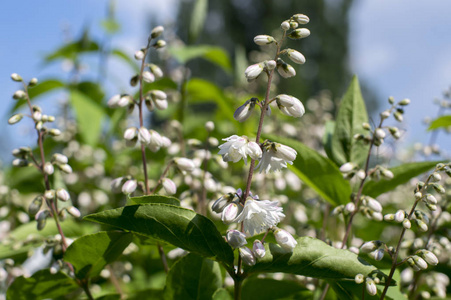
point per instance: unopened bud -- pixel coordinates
(391, 100)
(366, 126)
(247, 256)
(258, 249)
(299, 33)
(48, 168)
(210, 126)
(73, 211)
(285, 25)
(359, 278)
(49, 194)
(370, 287)
(398, 116)
(230, 213)
(385, 114)
(19, 162)
(55, 132)
(19, 95)
(156, 32)
(139, 55)
(404, 102)
(35, 206)
(33, 82)
(169, 186)
(370, 246)
(15, 119)
(159, 44)
(422, 225)
(16, 77)
(129, 186)
(379, 133)
(406, 224)
(436, 176)
(439, 188)
(148, 77)
(184, 164)
(400, 216)
(264, 40)
(301, 19)
(59, 158)
(65, 168)
(236, 239)
(296, 56)
(62, 194)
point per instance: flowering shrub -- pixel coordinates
(186, 215)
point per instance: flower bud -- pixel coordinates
(373, 204)
(134, 80)
(285, 70)
(370, 287)
(296, 56)
(406, 224)
(113, 102)
(184, 164)
(236, 239)
(48, 168)
(148, 77)
(350, 207)
(156, 70)
(254, 150)
(209, 126)
(421, 225)
(156, 32)
(158, 95)
(73, 211)
(41, 218)
(269, 65)
(389, 217)
(431, 199)
(436, 176)
(301, 19)
(139, 55)
(230, 213)
(169, 186)
(65, 168)
(347, 167)
(253, 71)
(431, 207)
(35, 205)
(379, 133)
(398, 116)
(19, 162)
(33, 82)
(161, 104)
(429, 257)
(221, 203)
(59, 158)
(16, 77)
(130, 133)
(285, 100)
(285, 239)
(159, 44)
(420, 262)
(438, 188)
(370, 246)
(129, 186)
(285, 152)
(15, 119)
(62, 194)
(247, 256)
(19, 95)
(55, 132)
(258, 249)
(285, 25)
(418, 195)
(299, 33)
(359, 278)
(387, 174)
(400, 215)
(262, 40)
(377, 254)
(49, 194)
(404, 102)
(243, 112)
(297, 110)
(144, 136)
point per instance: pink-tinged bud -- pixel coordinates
(370, 287)
(165, 142)
(221, 203)
(144, 136)
(247, 256)
(184, 164)
(60, 158)
(16, 77)
(169, 186)
(156, 32)
(116, 184)
(285, 240)
(139, 55)
(62, 194)
(148, 77)
(296, 56)
(301, 19)
(350, 207)
(48, 168)
(400, 215)
(259, 249)
(230, 213)
(15, 119)
(253, 71)
(236, 239)
(262, 40)
(129, 186)
(130, 133)
(73, 211)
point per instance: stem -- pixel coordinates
(203, 193)
(237, 288)
(85, 286)
(163, 175)
(398, 246)
(326, 289)
(115, 282)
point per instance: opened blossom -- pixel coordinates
(237, 148)
(275, 157)
(259, 215)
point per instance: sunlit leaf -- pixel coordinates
(198, 17)
(156, 199)
(442, 122)
(318, 172)
(89, 254)
(175, 225)
(193, 277)
(214, 54)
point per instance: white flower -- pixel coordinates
(264, 40)
(258, 249)
(275, 157)
(169, 186)
(296, 56)
(247, 256)
(230, 213)
(285, 239)
(253, 71)
(236, 239)
(259, 215)
(236, 148)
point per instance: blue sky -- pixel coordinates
(401, 48)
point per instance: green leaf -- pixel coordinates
(351, 114)
(178, 226)
(126, 58)
(402, 174)
(198, 17)
(156, 199)
(214, 54)
(200, 90)
(38, 90)
(222, 294)
(92, 90)
(193, 277)
(329, 129)
(91, 253)
(89, 115)
(442, 122)
(318, 172)
(71, 50)
(314, 258)
(266, 288)
(110, 26)
(42, 285)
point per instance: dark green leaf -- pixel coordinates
(198, 17)
(42, 285)
(91, 253)
(40, 89)
(221, 294)
(314, 258)
(327, 138)
(402, 174)
(214, 54)
(351, 114)
(156, 199)
(266, 288)
(193, 277)
(89, 115)
(181, 227)
(318, 172)
(442, 122)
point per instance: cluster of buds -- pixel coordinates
(422, 259)
(370, 283)
(375, 249)
(370, 208)
(145, 136)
